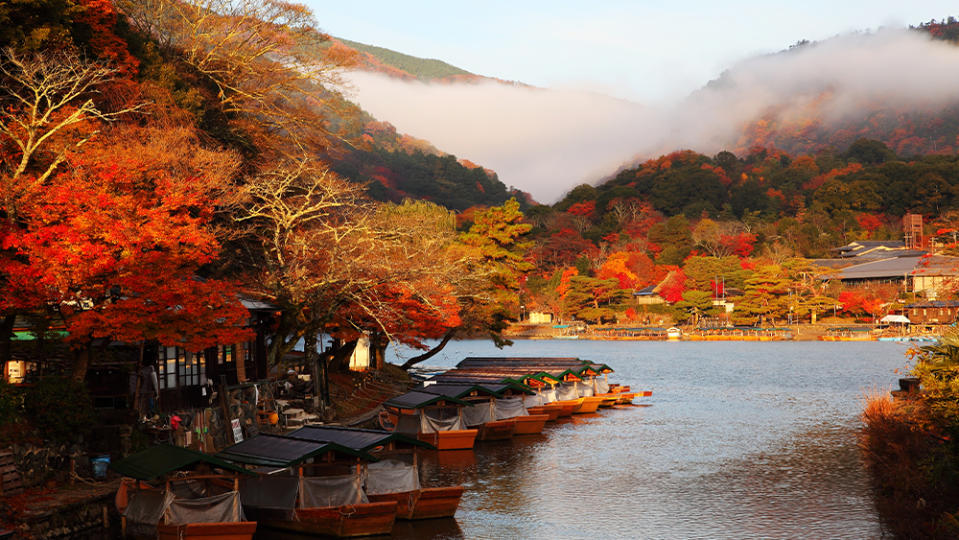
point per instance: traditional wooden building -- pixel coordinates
(932, 312)
(186, 379)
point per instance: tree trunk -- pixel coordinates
(81, 361)
(340, 355)
(378, 345)
(432, 352)
(6, 342)
(312, 359)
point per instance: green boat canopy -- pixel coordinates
(281, 452)
(361, 440)
(459, 390)
(418, 400)
(159, 461)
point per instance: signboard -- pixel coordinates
(237, 430)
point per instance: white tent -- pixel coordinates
(899, 319)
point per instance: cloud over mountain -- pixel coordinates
(547, 141)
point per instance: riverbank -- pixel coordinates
(828, 330)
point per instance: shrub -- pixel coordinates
(11, 403)
(59, 409)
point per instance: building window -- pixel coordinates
(178, 367)
(226, 355)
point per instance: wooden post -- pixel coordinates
(236, 500)
(299, 486)
(139, 382)
(225, 407)
(312, 360)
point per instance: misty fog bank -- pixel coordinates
(548, 141)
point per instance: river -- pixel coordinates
(739, 440)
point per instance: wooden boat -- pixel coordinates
(320, 498)
(424, 503)
(395, 477)
(168, 492)
(588, 405)
(567, 407)
(484, 413)
(551, 410)
(341, 521)
(496, 430)
(608, 400)
(435, 419)
(207, 531)
(531, 424)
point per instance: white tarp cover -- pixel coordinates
(536, 400)
(478, 414)
(269, 492)
(216, 509)
(585, 388)
(323, 491)
(190, 489)
(408, 424)
(443, 419)
(902, 319)
(602, 387)
(391, 476)
(144, 511)
(566, 392)
(510, 408)
(549, 395)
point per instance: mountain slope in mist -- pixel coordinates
(898, 86)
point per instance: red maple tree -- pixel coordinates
(118, 248)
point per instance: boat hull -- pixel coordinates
(532, 424)
(608, 400)
(550, 410)
(346, 521)
(588, 405)
(567, 406)
(459, 439)
(239, 530)
(426, 503)
(497, 430)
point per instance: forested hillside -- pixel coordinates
(804, 125)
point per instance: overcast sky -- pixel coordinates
(643, 50)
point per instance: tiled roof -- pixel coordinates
(884, 268)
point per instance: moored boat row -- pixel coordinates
(318, 480)
(497, 398)
(346, 482)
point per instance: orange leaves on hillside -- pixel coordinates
(869, 222)
(633, 270)
(741, 244)
(585, 209)
(821, 179)
(719, 171)
(564, 279)
(101, 17)
(671, 289)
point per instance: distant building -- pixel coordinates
(928, 275)
(912, 231)
(540, 317)
(648, 296)
(876, 249)
(932, 312)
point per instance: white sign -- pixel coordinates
(237, 430)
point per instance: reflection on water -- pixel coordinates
(741, 440)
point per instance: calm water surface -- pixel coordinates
(739, 440)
